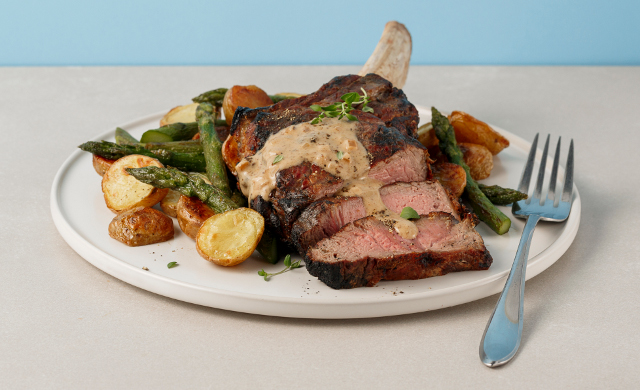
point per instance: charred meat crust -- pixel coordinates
(380, 140)
(411, 266)
(310, 183)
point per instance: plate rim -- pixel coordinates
(281, 306)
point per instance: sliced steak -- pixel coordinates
(323, 219)
(299, 186)
(424, 197)
(327, 216)
(365, 252)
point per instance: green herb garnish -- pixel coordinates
(277, 159)
(172, 264)
(339, 154)
(342, 109)
(409, 213)
(288, 267)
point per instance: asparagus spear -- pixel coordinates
(191, 146)
(216, 168)
(186, 184)
(501, 196)
(172, 132)
(485, 210)
(186, 161)
(213, 97)
(124, 138)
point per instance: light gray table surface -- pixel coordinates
(66, 324)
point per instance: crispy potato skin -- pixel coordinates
(123, 191)
(478, 158)
(169, 203)
(470, 130)
(427, 136)
(182, 114)
(101, 164)
(230, 154)
(243, 96)
(141, 226)
(451, 176)
(230, 238)
(191, 214)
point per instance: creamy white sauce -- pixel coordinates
(331, 145)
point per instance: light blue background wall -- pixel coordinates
(173, 32)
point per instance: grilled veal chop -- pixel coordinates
(322, 185)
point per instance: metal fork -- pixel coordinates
(501, 338)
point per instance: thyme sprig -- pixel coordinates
(288, 267)
(342, 109)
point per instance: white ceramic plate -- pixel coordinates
(79, 212)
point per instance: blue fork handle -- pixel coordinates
(501, 338)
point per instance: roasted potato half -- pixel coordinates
(123, 191)
(191, 214)
(180, 114)
(470, 130)
(141, 226)
(170, 202)
(427, 136)
(101, 164)
(243, 96)
(478, 158)
(230, 238)
(451, 176)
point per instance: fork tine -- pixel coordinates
(543, 165)
(528, 168)
(554, 173)
(567, 190)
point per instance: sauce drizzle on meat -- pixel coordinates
(331, 145)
